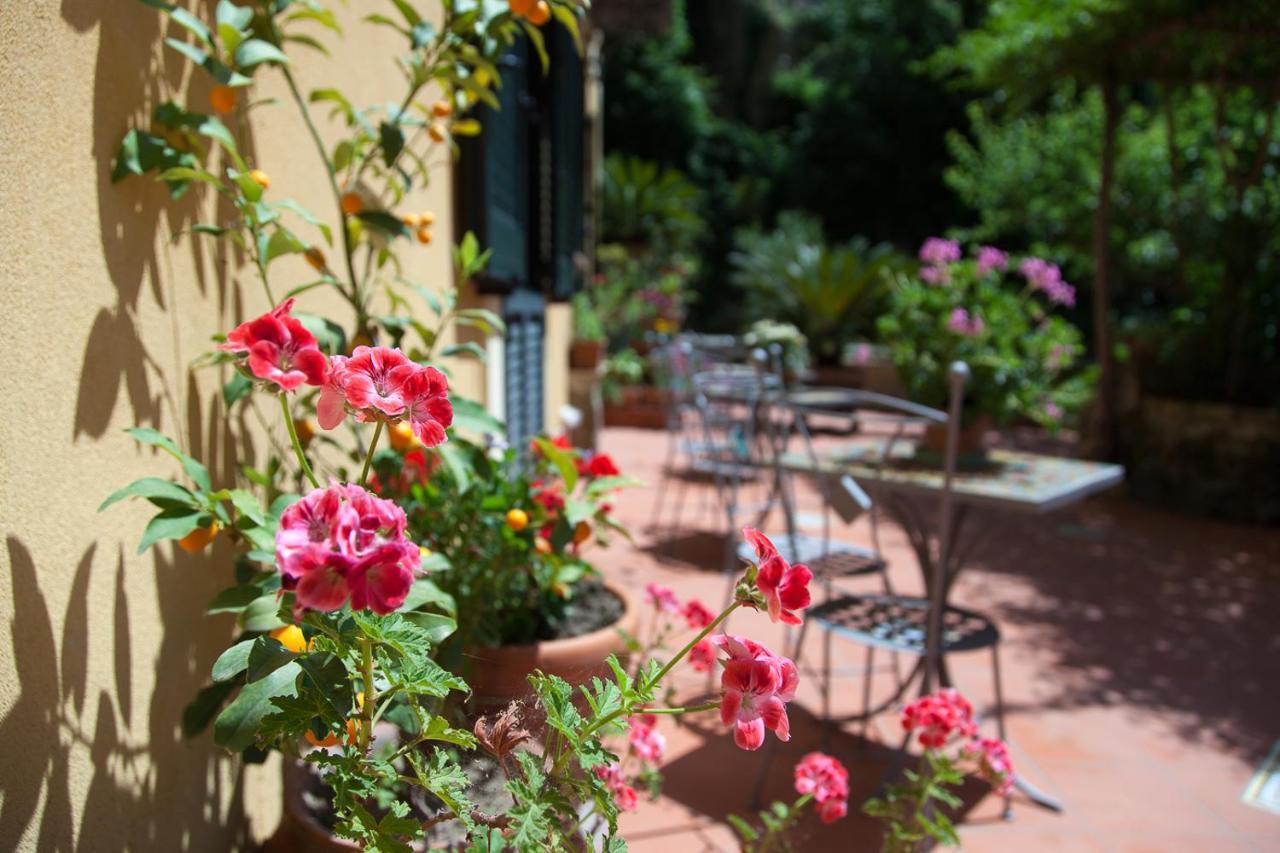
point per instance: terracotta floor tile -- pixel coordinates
(1137, 657)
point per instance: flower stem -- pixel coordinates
(709, 706)
(370, 692)
(364, 474)
(293, 438)
(689, 646)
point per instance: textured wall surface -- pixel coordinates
(103, 314)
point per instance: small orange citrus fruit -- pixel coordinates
(581, 532)
(517, 519)
(306, 430)
(426, 217)
(401, 436)
(196, 541)
(522, 8)
(541, 13)
(352, 203)
(442, 109)
(411, 220)
(424, 235)
(260, 178)
(222, 98)
(438, 132)
(329, 740)
(291, 637)
(541, 545)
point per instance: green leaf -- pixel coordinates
(246, 503)
(262, 614)
(197, 472)
(563, 460)
(455, 459)
(256, 51)
(327, 674)
(410, 15)
(181, 16)
(439, 729)
(483, 319)
(234, 599)
(744, 829)
(438, 627)
(233, 661)
(604, 485)
(173, 524)
(232, 15)
(265, 657)
(470, 348)
(283, 242)
(195, 54)
(236, 388)
(425, 592)
(470, 416)
(383, 222)
(202, 709)
(237, 725)
(151, 487)
(391, 140)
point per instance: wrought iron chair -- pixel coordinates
(905, 624)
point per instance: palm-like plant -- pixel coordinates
(646, 204)
(831, 293)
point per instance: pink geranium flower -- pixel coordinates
(342, 543)
(602, 465)
(624, 796)
(696, 614)
(939, 717)
(663, 598)
(702, 657)
(994, 764)
(280, 349)
(756, 686)
(373, 381)
(426, 405)
(827, 780)
(645, 739)
(785, 587)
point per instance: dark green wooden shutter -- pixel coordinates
(567, 145)
(493, 188)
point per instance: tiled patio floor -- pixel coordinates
(1141, 662)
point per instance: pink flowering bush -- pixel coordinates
(819, 779)
(943, 724)
(999, 318)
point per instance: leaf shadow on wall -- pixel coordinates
(135, 74)
(150, 789)
(145, 791)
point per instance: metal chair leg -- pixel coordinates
(866, 688)
(995, 672)
(826, 691)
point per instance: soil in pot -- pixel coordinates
(573, 646)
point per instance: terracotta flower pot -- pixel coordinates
(500, 674)
(935, 437)
(585, 355)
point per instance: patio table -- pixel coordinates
(908, 488)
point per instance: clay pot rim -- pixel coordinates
(570, 644)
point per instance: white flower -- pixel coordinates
(570, 416)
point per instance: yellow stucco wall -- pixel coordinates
(102, 316)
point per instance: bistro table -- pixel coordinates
(909, 486)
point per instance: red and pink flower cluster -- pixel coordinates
(756, 686)
(624, 796)
(828, 781)
(383, 384)
(342, 543)
(945, 717)
(785, 587)
(279, 349)
(649, 744)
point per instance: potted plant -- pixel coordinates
(589, 341)
(996, 316)
(506, 539)
(792, 344)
